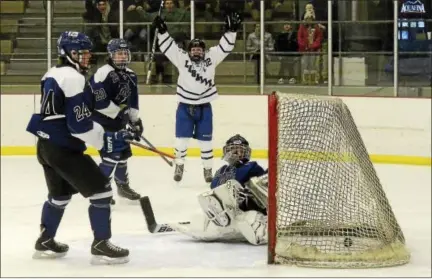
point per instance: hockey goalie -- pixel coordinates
(235, 208)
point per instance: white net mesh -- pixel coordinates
(331, 208)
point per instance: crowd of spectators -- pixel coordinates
(298, 47)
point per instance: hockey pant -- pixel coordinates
(194, 121)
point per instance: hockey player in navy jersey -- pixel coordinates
(195, 90)
(235, 208)
(63, 127)
(115, 103)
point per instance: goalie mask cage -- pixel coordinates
(327, 207)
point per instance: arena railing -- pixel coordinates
(331, 56)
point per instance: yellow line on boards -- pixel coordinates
(256, 154)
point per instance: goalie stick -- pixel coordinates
(150, 219)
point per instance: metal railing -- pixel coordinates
(330, 25)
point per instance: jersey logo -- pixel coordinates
(197, 76)
(114, 77)
(123, 94)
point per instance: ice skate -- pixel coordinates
(178, 173)
(106, 253)
(125, 191)
(208, 176)
(48, 248)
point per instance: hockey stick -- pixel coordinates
(152, 225)
(161, 155)
(151, 58)
(150, 149)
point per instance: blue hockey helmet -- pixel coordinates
(76, 48)
(119, 53)
(236, 150)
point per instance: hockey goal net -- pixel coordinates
(327, 207)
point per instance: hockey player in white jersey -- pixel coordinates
(195, 90)
(236, 207)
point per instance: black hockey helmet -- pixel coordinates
(196, 57)
(236, 150)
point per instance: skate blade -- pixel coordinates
(42, 255)
(104, 260)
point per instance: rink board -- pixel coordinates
(394, 130)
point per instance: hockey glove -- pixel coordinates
(137, 128)
(116, 142)
(160, 24)
(232, 22)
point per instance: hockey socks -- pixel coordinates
(100, 215)
(107, 167)
(52, 213)
(206, 153)
(121, 173)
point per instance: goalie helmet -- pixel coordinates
(236, 150)
(195, 54)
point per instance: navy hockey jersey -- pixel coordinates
(65, 116)
(240, 172)
(114, 97)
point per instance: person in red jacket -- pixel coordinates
(309, 38)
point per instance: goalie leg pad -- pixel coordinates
(253, 225)
(214, 209)
(221, 203)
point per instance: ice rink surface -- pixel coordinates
(23, 192)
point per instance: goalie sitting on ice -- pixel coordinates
(235, 207)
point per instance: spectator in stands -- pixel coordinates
(284, 8)
(152, 6)
(286, 41)
(101, 34)
(253, 6)
(90, 5)
(136, 35)
(179, 32)
(204, 11)
(309, 39)
(253, 45)
(228, 6)
(320, 15)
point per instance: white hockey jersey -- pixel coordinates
(195, 84)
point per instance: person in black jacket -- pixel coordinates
(286, 41)
(103, 13)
